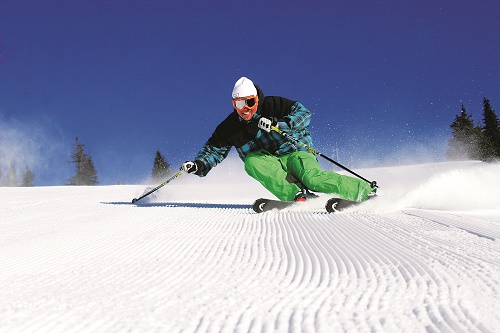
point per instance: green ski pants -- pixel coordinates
(271, 171)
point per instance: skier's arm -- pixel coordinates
(297, 120)
(208, 157)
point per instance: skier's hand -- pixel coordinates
(189, 167)
(266, 123)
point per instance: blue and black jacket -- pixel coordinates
(246, 136)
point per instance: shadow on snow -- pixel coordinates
(180, 204)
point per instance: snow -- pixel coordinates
(423, 256)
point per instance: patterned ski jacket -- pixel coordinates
(246, 136)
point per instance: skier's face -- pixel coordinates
(246, 106)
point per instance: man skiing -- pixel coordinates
(284, 168)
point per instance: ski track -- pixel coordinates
(111, 267)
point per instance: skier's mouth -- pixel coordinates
(246, 113)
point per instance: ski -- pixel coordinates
(337, 204)
(332, 205)
(264, 205)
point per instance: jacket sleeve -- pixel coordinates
(297, 120)
(210, 156)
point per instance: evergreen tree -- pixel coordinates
(90, 172)
(12, 179)
(466, 139)
(491, 131)
(85, 172)
(28, 177)
(160, 168)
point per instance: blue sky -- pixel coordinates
(384, 79)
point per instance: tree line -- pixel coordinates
(86, 173)
(14, 178)
(472, 141)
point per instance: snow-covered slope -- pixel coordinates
(423, 256)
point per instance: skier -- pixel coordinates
(284, 168)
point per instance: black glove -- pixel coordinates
(195, 167)
(266, 123)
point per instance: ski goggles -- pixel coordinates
(249, 101)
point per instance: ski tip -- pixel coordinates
(258, 205)
(331, 204)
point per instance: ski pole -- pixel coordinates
(158, 187)
(314, 151)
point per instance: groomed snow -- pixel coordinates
(422, 257)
